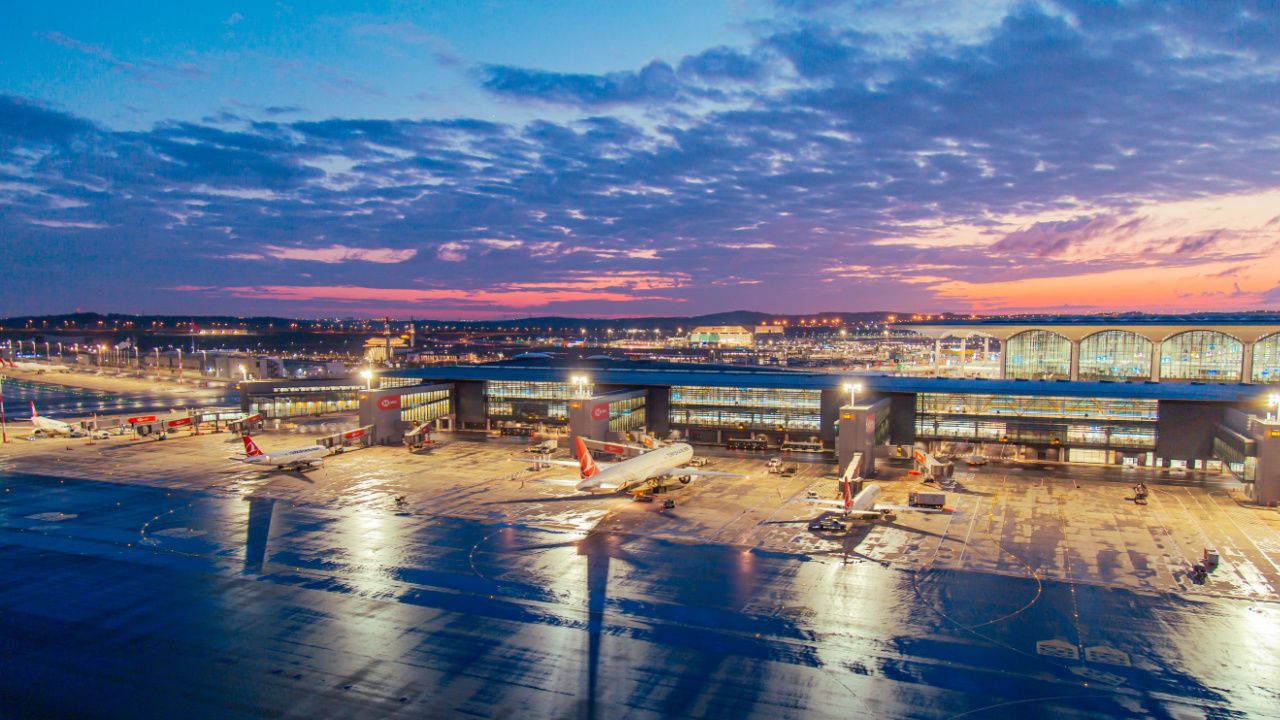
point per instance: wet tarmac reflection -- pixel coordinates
(155, 602)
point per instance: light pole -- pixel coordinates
(367, 374)
(853, 389)
(1273, 401)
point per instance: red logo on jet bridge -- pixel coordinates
(353, 434)
(390, 402)
(141, 419)
(611, 448)
(600, 412)
(919, 456)
(180, 422)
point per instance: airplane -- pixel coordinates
(632, 474)
(863, 506)
(38, 368)
(50, 427)
(297, 457)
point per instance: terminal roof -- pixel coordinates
(643, 374)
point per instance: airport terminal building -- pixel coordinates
(1170, 395)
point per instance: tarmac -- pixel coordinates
(453, 581)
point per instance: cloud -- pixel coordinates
(67, 224)
(655, 82)
(150, 72)
(723, 63)
(233, 19)
(513, 296)
(334, 254)
(452, 252)
(408, 33)
(1036, 143)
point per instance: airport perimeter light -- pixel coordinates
(853, 389)
(367, 374)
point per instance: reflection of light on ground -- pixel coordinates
(1260, 632)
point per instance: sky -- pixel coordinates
(482, 160)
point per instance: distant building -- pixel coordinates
(381, 348)
(720, 335)
(770, 332)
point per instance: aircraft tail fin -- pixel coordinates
(585, 461)
(34, 414)
(250, 447)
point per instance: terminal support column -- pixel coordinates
(1246, 370)
(1155, 361)
(937, 355)
(963, 341)
(1075, 359)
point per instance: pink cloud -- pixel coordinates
(512, 296)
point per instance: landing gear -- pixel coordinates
(684, 479)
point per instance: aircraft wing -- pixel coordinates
(907, 508)
(695, 472)
(833, 504)
(560, 481)
(563, 463)
(616, 448)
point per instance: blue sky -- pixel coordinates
(505, 159)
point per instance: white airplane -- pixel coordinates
(632, 474)
(863, 506)
(38, 368)
(50, 427)
(297, 457)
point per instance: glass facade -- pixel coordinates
(425, 406)
(626, 414)
(284, 401)
(747, 408)
(1037, 355)
(1203, 355)
(283, 406)
(1266, 359)
(1120, 423)
(1115, 355)
(532, 401)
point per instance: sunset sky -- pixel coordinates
(502, 159)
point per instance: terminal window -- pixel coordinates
(757, 408)
(1127, 423)
(1037, 355)
(1203, 355)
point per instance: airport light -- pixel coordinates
(367, 374)
(580, 383)
(853, 389)
(244, 373)
(1273, 401)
